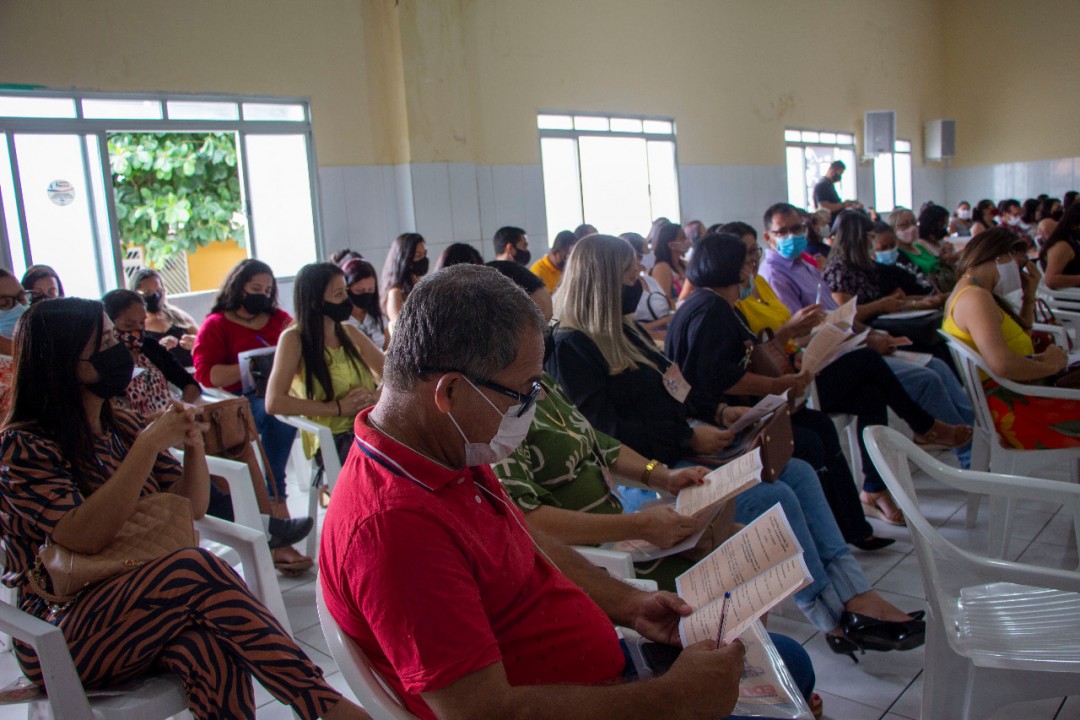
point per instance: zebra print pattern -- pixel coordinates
(188, 613)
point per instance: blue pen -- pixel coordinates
(260, 339)
(723, 618)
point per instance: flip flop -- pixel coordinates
(930, 440)
(290, 564)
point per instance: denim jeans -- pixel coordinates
(939, 393)
(836, 574)
(277, 439)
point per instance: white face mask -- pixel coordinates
(1012, 220)
(908, 235)
(1008, 279)
(512, 430)
(963, 214)
(648, 260)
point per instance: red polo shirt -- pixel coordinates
(433, 573)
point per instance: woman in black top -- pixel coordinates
(709, 340)
(148, 392)
(169, 326)
(1060, 255)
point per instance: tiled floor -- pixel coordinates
(884, 686)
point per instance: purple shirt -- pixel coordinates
(796, 283)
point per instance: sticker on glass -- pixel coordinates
(61, 192)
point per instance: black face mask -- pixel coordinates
(420, 267)
(365, 301)
(631, 296)
(153, 302)
(522, 257)
(114, 367)
(255, 304)
(338, 312)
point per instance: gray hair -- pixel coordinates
(467, 318)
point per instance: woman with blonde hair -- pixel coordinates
(612, 372)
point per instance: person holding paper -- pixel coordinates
(708, 340)
(631, 403)
(246, 316)
(430, 568)
(798, 286)
(559, 475)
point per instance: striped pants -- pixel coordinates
(190, 614)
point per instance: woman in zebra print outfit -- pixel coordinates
(72, 471)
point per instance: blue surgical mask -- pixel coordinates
(791, 246)
(887, 257)
(8, 318)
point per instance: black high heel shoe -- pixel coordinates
(882, 635)
(842, 646)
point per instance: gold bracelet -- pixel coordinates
(647, 472)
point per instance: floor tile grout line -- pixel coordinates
(906, 688)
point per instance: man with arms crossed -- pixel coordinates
(428, 565)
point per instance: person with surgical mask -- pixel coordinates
(960, 222)
(405, 264)
(170, 326)
(993, 266)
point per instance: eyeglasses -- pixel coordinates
(796, 229)
(526, 400)
(9, 301)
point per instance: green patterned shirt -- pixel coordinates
(563, 460)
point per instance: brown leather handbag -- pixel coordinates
(769, 358)
(775, 437)
(231, 432)
(160, 524)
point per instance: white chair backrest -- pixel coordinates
(969, 362)
(892, 453)
(374, 695)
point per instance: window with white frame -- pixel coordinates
(71, 195)
(809, 154)
(616, 172)
(892, 178)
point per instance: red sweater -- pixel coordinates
(221, 340)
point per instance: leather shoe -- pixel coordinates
(873, 543)
(285, 532)
(869, 633)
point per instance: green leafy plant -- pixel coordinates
(176, 192)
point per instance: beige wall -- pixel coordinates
(461, 80)
(342, 54)
(1014, 90)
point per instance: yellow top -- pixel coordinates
(546, 271)
(764, 311)
(1015, 336)
(346, 374)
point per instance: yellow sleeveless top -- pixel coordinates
(764, 311)
(345, 374)
(1015, 337)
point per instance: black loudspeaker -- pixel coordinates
(880, 132)
(940, 140)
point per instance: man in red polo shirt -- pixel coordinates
(428, 565)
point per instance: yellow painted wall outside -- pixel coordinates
(1014, 87)
(394, 81)
(209, 265)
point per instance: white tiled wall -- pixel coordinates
(726, 193)
(1019, 180)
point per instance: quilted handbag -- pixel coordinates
(161, 524)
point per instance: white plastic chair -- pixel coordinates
(372, 692)
(331, 468)
(158, 696)
(847, 426)
(997, 632)
(247, 532)
(990, 452)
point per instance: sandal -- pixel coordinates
(942, 436)
(880, 505)
(817, 706)
(289, 562)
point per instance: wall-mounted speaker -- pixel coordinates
(939, 142)
(880, 132)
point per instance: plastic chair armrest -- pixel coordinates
(615, 562)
